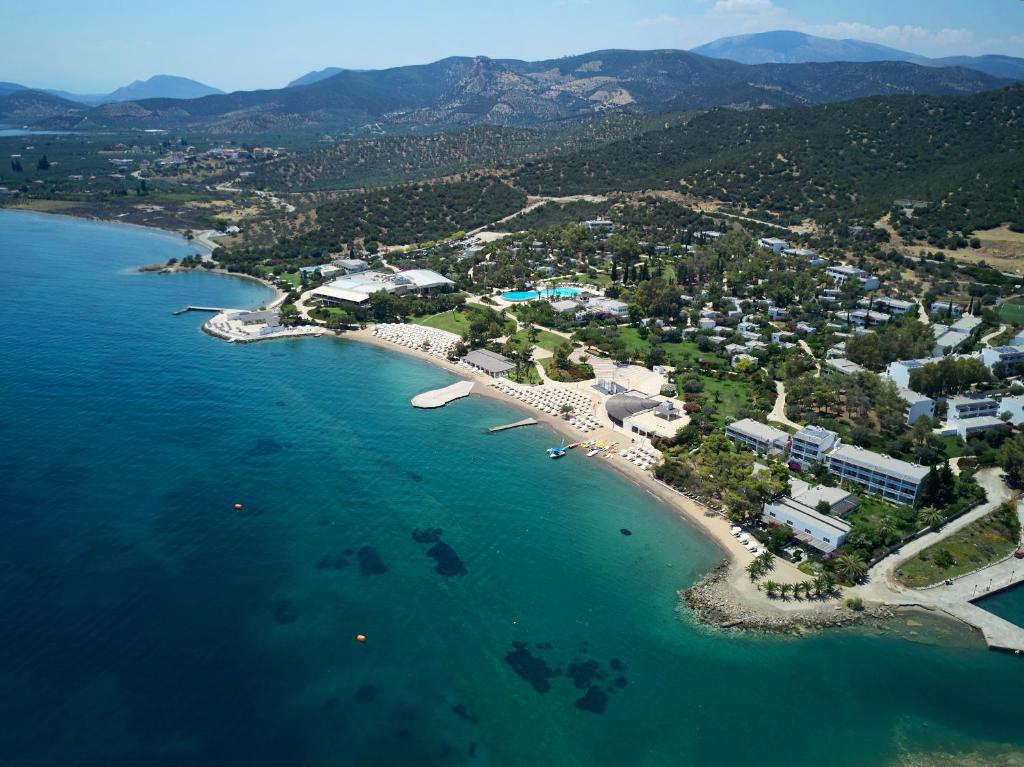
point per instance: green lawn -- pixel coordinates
(576, 373)
(454, 321)
(545, 339)
(1012, 311)
(989, 539)
(636, 345)
(731, 395)
(292, 278)
(529, 376)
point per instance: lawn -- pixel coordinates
(576, 372)
(987, 540)
(529, 376)
(545, 339)
(453, 321)
(727, 397)
(1012, 311)
(292, 278)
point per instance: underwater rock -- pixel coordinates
(370, 562)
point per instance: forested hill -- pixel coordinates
(841, 161)
(461, 91)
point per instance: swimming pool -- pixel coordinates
(529, 295)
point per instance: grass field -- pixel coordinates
(529, 376)
(989, 539)
(545, 339)
(727, 397)
(1012, 311)
(453, 321)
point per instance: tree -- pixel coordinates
(851, 567)
(767, 561)
(930, 516)
(43, 163)
(754, 569)
(1012, 459)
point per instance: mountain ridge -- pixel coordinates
(785, 46)
(460, 91)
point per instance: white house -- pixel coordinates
(841, 273)
(774, 244)
(759, 437)
(1012, 357)
(1013, 405)
(810, 445)
(821, 531)
(918, 405)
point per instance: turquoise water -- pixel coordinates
(529, 295)
(145, 622)
(1007, 604)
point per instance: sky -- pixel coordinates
(94, 46)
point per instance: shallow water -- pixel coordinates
(145, 621)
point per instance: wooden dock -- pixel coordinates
(210, 309)
(516, 425)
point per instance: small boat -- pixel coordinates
(556, 452)
(593, 452)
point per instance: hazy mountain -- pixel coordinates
(162, 87)
(463, 91)
(314, 77)
(788, 47)
(24, 106)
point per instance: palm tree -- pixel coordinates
(827, 582)
(770, 587)
(809, 588)
(887, 529)
(755, 569)
(931, 517)
(796, 590)
(767, 560)
(851, 567)
(784, 589)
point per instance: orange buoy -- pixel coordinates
(360, 637)
(238, 507)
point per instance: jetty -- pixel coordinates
(441, 397)
(210, 309)
(516, 425)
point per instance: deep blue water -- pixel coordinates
(1008, 604)
(146, 622)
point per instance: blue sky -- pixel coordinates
(97, 45)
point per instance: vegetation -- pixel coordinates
(984, 541)
(832, 163)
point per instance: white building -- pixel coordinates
(759, 437)
(895, 306)
(968, 427)
(971, 407)
(599, 225)
(810, 445)
(844, 366)
(841, 273)
(895, 480)
(823, 532)
(1015, 407)
(946, 307)
(774, 244)
(609, 306)
(1011, 357)
(918, 405)
(357, 288)
(899, 371)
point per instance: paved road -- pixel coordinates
(987, 338)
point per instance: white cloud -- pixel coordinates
(893, 34)
(742, 6)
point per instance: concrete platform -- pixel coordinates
(441, 397)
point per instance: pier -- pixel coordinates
(210, 309)
(441, 397)
(516, 425)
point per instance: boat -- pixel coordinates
(556, 452)
(593, 452)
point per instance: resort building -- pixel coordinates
(358, 287)
(844, 366)
(662, 421)
(1014, 407)
(810, 445)
(946, 308)
(971, 407)
(351, 265)
(1011, 357)
(600, 225)
(899, 372)
(895, 480)
(621, 407)
(842, 273)
(840, 503)
(774, 244)
(821, 531)
(966, 428)
(895, 306)
(759, 437)
(493, 364)
(609, 306)
(918, 405)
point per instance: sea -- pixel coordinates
(515, 610)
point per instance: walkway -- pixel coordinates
(987, 338)
(955, 600)
(778, 413)
(441, 397)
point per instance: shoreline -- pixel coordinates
(97, 220)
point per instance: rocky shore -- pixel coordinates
(714, 602)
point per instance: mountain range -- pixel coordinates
(788, 47)
(156, 87)
(462, 91)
